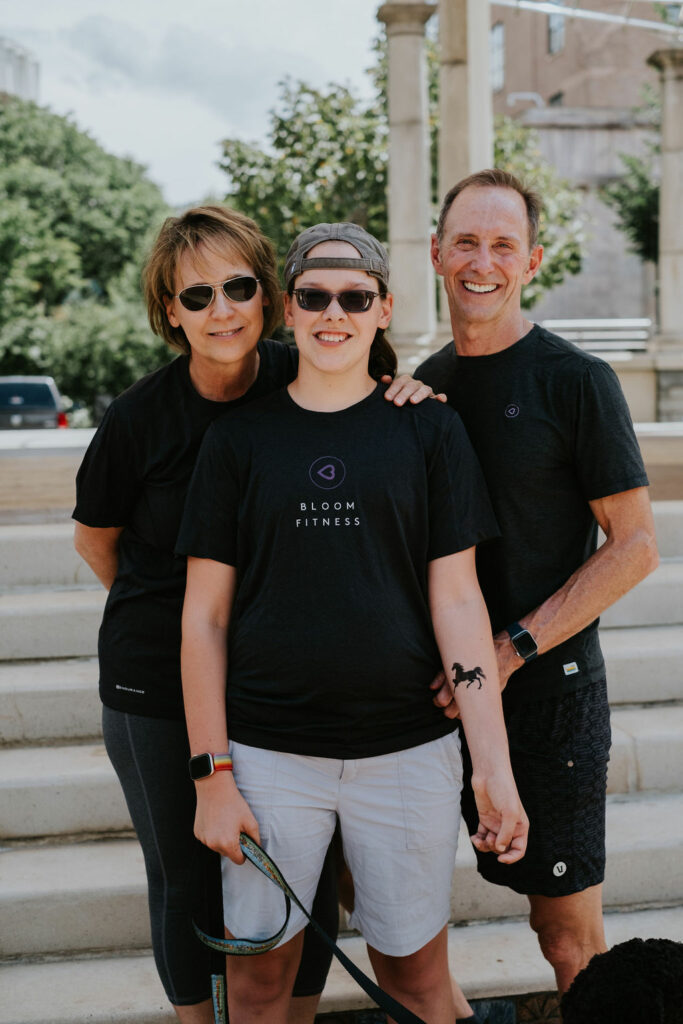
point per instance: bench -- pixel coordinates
(604, 335)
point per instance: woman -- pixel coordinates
(130, 495)
(322, 527)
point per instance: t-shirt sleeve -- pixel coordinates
(460, 512)
(107, 481)
(607, 455)
(209, 528)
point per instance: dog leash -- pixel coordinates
(251, 947)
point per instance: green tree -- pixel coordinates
(74, 222)
(327, 157)
(634, 196)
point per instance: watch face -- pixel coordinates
(524, 644)
(201, 766)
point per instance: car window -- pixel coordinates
(14, 396)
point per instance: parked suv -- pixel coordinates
(30, 403)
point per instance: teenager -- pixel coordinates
(330, 542)
(130, 494)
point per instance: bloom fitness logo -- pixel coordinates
(327, 472)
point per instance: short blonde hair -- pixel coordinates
(219, 229)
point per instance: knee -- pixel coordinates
(257, 984)
(414, 977)
(560, 945)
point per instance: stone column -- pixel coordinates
(669, 341)
(412, 277)
(465, 105)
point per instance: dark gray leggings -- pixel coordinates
(150, 757)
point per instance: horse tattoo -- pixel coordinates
(474, 675)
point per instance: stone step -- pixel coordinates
(50, 623)
(41, 554)
(499, 958)
(644, 861)
(647, 749)
(643, 663)
(49, 700)
(669, 528)
(64, 623)
(47, 791)
(656, 601)
(83, 896)
(57, 699)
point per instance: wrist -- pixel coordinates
(523, 643)
(203, 766)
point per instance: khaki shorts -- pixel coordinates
(399, 815)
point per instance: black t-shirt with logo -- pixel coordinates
(552, 431)
(331, 520)
(135, 474)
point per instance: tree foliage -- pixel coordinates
(634, 196)
(74, 221)
(328, 159)
(561, 228)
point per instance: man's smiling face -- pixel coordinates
(484, 256)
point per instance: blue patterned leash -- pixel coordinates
(251, 947)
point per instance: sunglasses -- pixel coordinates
(199, 296)
(315, 300)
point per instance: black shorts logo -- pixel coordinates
(512, 410)
(327, 472)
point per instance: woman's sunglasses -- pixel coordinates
(199, 296)
(315, 300)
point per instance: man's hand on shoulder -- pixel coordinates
(405, 388)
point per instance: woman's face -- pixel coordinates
(332, 340)
(226, 331)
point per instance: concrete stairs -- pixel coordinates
(74, 934)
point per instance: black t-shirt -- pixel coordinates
(330, 520)
(552, 431)
(135, 474)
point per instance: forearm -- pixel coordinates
(463, 634)
(204, 666)
(99, 547)
(222, 813)
(625, 558)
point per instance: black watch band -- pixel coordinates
(522, 641)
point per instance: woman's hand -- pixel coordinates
(503, 824)
(406, 388)
(222, 813)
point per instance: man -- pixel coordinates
(555, 440)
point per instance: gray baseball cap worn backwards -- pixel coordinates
(373, 256)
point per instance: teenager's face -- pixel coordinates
(226, 331)
(484, 256)
(334, 341)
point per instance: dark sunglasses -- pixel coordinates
(315, 300)
(199, 296)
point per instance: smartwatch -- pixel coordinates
(203, 765)
(522, 641)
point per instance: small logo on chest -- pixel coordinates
(512, 411)
(327, 472)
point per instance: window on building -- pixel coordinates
(555, 33)
(497, 55)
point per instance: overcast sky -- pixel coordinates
(164, 81)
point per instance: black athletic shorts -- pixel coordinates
(559, 750)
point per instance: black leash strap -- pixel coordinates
(249, 947)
